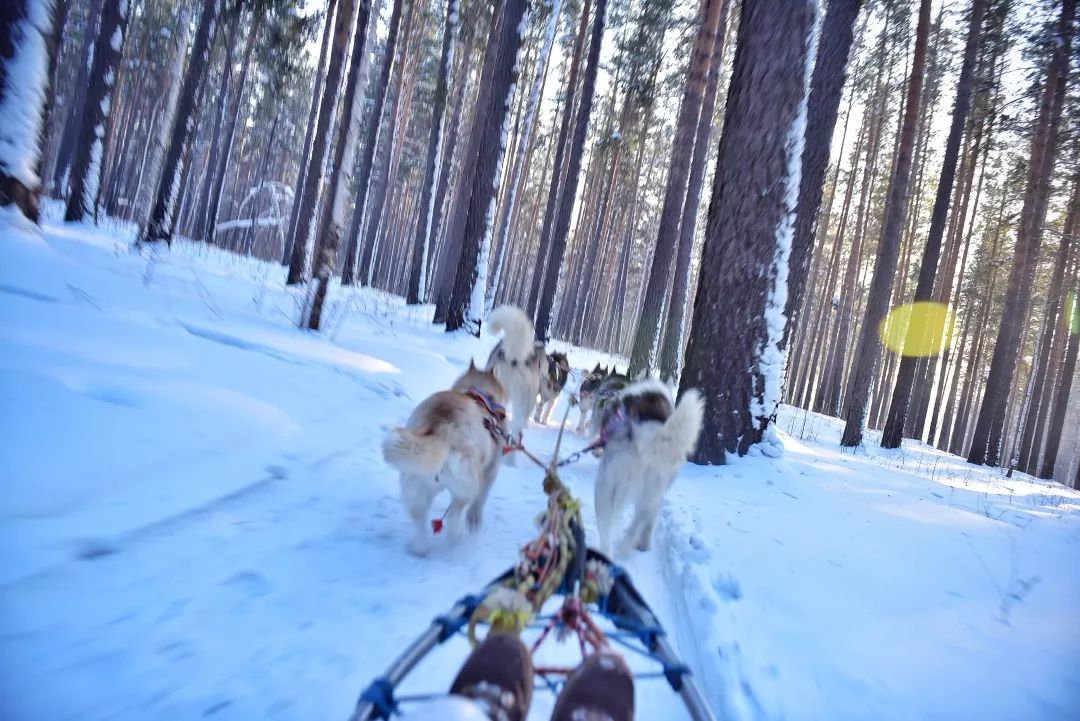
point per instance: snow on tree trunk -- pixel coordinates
(734, 355)
(561, 225)
(868, 349)
(96, 118)
(647, 335)
(367, 160)
(333, 214)
(418, 274)
(985, 444)
(826, 87)
(69, 135)
(532, 106)
(160, 225)
(24, 78)
(488, 136)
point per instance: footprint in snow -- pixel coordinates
(250, 583)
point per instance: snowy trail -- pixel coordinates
(197, 523)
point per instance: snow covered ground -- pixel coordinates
(196, 522)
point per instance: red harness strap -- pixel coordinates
(496, 413)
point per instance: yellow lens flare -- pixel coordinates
(919, 330)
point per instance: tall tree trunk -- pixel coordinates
(488, 137)
(371, 143)
(418, 281)
(867, 351)
(69, 137)
(230, 128)
(988, 429)
(87, 167)
(1055, 333)
(826, 89)
(160, 225)
(1056, 426)
(25, 28)
(333, 213)
(672, 346)
(525, 145)
(335, 69)
(561, 224)
(309, 136)
(750, 223)
(646, 340)
(901, 397)
(543, 255)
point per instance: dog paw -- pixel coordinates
(473, 517)
(419, 548)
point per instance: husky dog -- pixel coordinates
(450, 441)
(518, 362)
(597, 390)
(551, 385)
(648, 440)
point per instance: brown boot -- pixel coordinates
(600, 689)
(498, 675)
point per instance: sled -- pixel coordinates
(637, 630)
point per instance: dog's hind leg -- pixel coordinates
(454, 526)
(610, 497)
(417, 497)
(475, 514)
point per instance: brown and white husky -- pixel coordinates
(450, 442)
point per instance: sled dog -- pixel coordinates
(648, 438)
(552, 384)
(450, 442)
(518, 362)
(598, 388)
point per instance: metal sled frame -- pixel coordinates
(639, 631)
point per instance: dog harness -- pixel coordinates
(496, 414)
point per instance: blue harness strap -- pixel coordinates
(380, 694)
(449, 626)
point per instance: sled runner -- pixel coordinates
(637, 630)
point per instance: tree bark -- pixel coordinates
(733, 355)
(87, 167)
(160, 225)
(335, 69)
(488, 137)
(567, 195)
(867, 351)
(371, 143)
(646, 338)
(990, 425)
(901, 397)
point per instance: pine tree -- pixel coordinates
(25, 26)
(667, 234)
(985, 446)
(488, 136)
(160, 224)
(560, 225)
(867, 351)
(96, 114)
(734, 355)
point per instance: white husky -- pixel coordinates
(649, 438)
(449, 443)
(518, 361)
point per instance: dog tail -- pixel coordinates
(411, 452)
(675, 440)
(517, 328)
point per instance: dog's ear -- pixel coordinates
(472, 364)
(596, 369)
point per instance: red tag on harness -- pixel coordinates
(436, 526)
